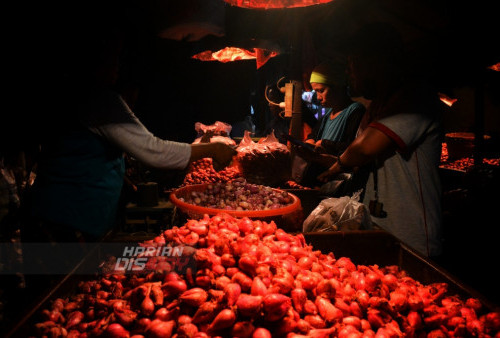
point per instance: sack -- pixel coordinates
(338, 214)
(267, 162)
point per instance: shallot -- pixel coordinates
(251, 279)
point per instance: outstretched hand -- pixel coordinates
(220, 153)
(223, 155)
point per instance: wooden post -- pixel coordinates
(479, 120)
(296, 127)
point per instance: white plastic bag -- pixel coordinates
(217, 132)
(266, 162)
(339, 214)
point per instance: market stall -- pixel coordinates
(221, 252)
(244, 278)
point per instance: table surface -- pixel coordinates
(162, 204)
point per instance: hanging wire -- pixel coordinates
(278, 82)
(268, 99)
(266, 90)
(281, 114)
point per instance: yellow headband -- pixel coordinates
(319, 78)
(329, 74)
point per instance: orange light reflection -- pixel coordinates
(272, 4)
(495, 67)
(230, 54)
(446, 99)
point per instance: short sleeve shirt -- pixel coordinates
(408, 181)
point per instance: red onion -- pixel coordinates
(187, 330)
(221, 282)
(224, 319)
(242, 329)
(115, 330)
(194, 297)
(147, 306)
(248, 305)
(321, 333)
(276, 306)
(159, 329)
(299, 297)
(261, 332)
(243, 280)
(164, 315)
(327, 310)
(258, 287)
(126, 317)
(232, 292)
(175, 287)
(142, 324)
(285, 326)
(227, 260)
(216, 295)
(353, 321)
(201, 335)
(326, 289)
(333, 297)
(310, 307)
(74, 318)
(205, 313)
(248, 264)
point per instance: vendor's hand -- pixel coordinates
(331, 173)
(220, 153)
(223, 155)
(207, 136)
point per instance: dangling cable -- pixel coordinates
(267, 98)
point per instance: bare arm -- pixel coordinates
(366, 147)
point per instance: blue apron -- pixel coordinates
(78, 183)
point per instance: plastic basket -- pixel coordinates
(289, 218)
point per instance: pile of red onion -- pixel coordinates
(252, 279)
(239, 195)
(202, 171)
(467, 163)
(266, 162)
(463, 164)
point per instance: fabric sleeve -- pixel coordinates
(120, 126)
(137, 141)
(405, 129)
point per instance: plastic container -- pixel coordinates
(289, 218)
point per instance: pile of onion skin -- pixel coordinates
(252, 279)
